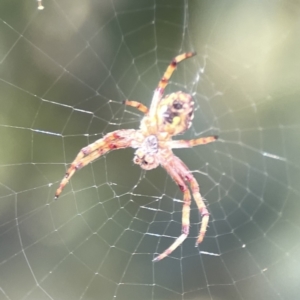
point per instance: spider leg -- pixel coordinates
(191, 143)
(172, 66)
(141, 107)
(113, 140)
(180, 173)
(201, 206)
(185, 213)
(165, 80)
(188, 176)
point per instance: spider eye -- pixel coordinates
(177, 105)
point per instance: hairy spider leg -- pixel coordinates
(180, 173)
(113, 140)
(191, 143)
(159, 91)
(141, 107)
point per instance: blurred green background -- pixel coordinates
(64, 72)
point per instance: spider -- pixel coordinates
(166, 117)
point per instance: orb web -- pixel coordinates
(64, 73)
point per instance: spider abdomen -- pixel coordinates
(175, 113)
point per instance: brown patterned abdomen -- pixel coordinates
(175, 113)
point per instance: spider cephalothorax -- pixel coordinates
(153, 142)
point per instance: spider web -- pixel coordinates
(64, 72)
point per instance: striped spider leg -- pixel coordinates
(114, 140)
